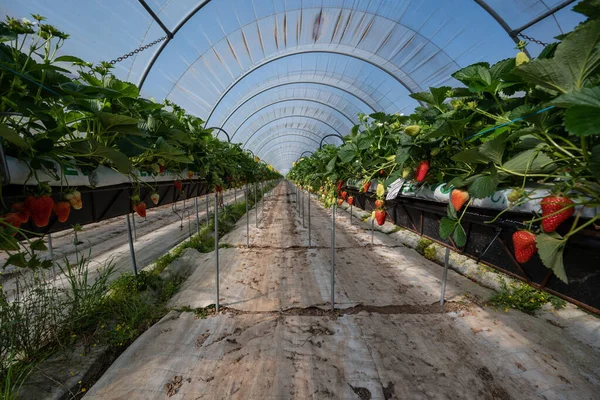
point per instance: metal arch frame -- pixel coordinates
(277, 128)
(200, 6)
(262, 146)
(282, 101)
(295, 53)
(297, 142)
(307, 151)
(514, 33)
(290, 116)
(222, 130)
(279, 152)
(295, 83)
(330, 135)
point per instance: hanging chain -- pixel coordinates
(524, 36)
(139, 49)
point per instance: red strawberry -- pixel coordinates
(552, 204)
(140, 209)
(380, 217)
(219, 189)
(74, 197)
(344, 195)
(178, 185)
(379, 203)
(366, 186)
(12, 219)
(190, 174)
(524, 245)
(422, 170)
(340, 202)
(459, 197)
(381, 172)
(40, 209)
(21, 210)
(350, 200)
(62, 209)
(161, 168)
(339, 185)
(155, 197)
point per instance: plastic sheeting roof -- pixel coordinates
(279, 75)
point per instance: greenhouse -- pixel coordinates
(292, 199)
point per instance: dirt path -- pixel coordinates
(107, 241)
(387, 339)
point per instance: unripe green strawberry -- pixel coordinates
(521, 58)
(435, 151)
(515, 195)
(412, 130)
(406, 172)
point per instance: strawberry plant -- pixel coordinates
(530, 125)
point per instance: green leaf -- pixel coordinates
(451, 212)
(110, 120)
(590, 8)
(331, 165)
(71, 59)
(38, 245)
(13, 137)
(347, 152)
(551, 247)
(595, 161)
(583, 121)
(575, 61)
(18, 260)
(476, 77)
(364, 142)
(493, 150)
(447, 226)
(120, 160)
(484, 186)
(530, 161)
(584, 97)
(459, 236)
(471, 156)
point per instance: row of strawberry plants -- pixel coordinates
(529, 125)
(60, 113)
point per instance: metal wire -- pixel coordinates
(138, 50)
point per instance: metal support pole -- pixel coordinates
(372, 229)
(302, 202)
(309, 242)
(51, 251)
(445, 276)
(235, 194)
(134, 228)
(75, 241)
(131, 249)
(351, 214)
(256, 206)
(207, 211)
(332, 258)
(247, 218)
(262, 193)
(197, 216)
(217, 246)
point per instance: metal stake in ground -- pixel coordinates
(302, 202)
(256, 207)
(235, 194)
(445, 276)
(217, 246)
(309, 220)
(207, 211)
(197, 216)
(134, 228)
(51, 251)
(131, 249)
(372, 228)
(247, 218)
(332, 257)
(351, 214)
